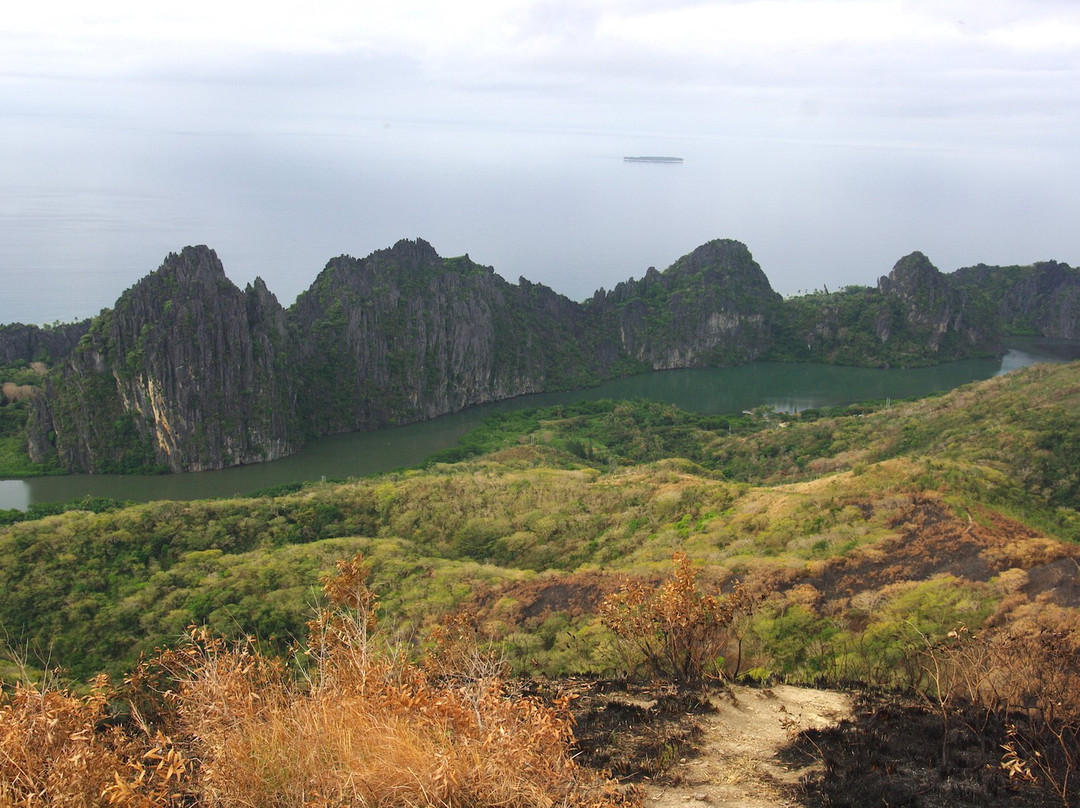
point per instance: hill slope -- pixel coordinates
(961, 508)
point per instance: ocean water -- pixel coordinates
(87, 209)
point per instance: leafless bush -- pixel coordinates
(677, 631)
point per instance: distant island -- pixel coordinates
(647, 159)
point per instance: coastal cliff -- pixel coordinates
(404, 335)
(916, 315)
(188, 372)
(1042, 299)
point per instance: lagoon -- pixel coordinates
(788, 387)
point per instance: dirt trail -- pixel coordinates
(737, 764)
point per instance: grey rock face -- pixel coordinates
(27, 343)
(1042, 299)
(188, 372)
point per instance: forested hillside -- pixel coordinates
(956, 509)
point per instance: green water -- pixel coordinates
(714, 390)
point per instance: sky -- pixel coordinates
(832, 136)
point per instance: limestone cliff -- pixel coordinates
(187, 372)
(1042, 299)
(915, 316)
(712, 307)
(405, 335)
(29, 343)
(935, 311)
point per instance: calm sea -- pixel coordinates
(557, 207)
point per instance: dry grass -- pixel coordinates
(17, 392)
(221, 725)
(50, 751)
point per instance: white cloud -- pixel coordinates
(550, 42)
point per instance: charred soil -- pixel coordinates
(766, 747)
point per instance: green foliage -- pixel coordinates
(14, 458)
(879, 646)
(863, 326)
(530, 529)
(799, 643)
(605, 433)
(280, 490)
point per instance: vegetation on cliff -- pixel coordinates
(915, 316)
(188, 372)
(20, 343)
(20, 381)
(1042, 299)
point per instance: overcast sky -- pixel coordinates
(990, 88)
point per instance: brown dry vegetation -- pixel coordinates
(17, 392)
(220, 724)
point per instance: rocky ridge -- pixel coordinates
(1042, 299)
(188, 372)
(30, 343)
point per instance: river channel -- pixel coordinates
(785, 386)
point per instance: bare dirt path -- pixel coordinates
(737, 765)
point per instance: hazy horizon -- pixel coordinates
(832, 137)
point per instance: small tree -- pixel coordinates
(677, 631)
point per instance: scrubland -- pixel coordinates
(925, 548)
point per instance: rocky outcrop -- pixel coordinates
(30, 343)
(187, 372)
(936, 312)
(915, 316)
(1042, 299)
(404, 335)
(712, 307)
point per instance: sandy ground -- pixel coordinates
(737, 766)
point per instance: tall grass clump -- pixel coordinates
(50, 750)
(349, 722)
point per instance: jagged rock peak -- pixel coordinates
(193, 264)
(719, 259)
(910, 273)
(416, 250)
(404, 255)
(717, 251)
(259, 288)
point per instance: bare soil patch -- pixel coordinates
(723, 748)
(784, 746)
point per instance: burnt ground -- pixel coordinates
(768, 747)
(889, 753)
(931, 540)
(635, 732)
